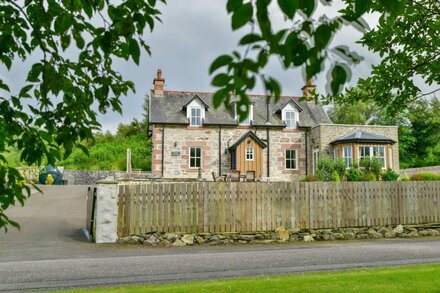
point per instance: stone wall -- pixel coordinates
(87, 177)
(178, 140)
(323, 134)
(412, 171)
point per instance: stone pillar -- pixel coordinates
(106, 211)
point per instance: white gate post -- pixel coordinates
(106, 211)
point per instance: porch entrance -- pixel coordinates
(247, 154)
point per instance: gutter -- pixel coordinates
(163, 149)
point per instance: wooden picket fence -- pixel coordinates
(207, 207)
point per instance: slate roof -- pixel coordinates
(363, 136)
(246, 135)
(168, 109)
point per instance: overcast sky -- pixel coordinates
(193, 33)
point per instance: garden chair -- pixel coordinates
(250, 176)
(217, 178)
(235, 176)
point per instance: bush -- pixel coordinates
(373, 165)
(310, 178)
(354, 174)
(389, 175)
(330, 170)
(340, 167)
(405, 177)
(368, 176)
(425, 176)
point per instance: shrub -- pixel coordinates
(310, 178)
(335, 176)
(373, 165)
(330, 170)
(425, 176)
(368, 176)
(354, 174)
(340, 167)
(389, 175)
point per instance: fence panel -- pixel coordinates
(209, 207)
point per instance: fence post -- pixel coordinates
(106, 211)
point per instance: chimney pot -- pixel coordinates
(158, 83)
(308, 90)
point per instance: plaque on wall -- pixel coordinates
(175, 154)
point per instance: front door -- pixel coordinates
(248, 156)
(315, 161)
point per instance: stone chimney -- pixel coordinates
(158, 83)
(308, 90)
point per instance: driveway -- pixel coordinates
(51, 252)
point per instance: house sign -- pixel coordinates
(175, 154)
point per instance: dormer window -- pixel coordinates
(195, 111)
(195, 116)
(289, 111)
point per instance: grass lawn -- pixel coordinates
(420, 278)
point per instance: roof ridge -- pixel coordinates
(209, 92)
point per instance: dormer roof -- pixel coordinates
(287, 102)
(196, 98)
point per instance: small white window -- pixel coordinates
(348, 156)
(291, 160)
(290, 119)
(249, 154)
(196, 116)
(195, 157)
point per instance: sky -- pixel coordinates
(192, 35)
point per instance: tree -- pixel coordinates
(54, 109)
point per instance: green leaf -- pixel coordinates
(392, 6)
(323, 35)
(24, 91)
(339, 76)
(307, 6)
(220, 80)
(242, 15)
(35, 72)
(219, 96)
(220, 61)
(250, 38)
(4, 86)
(233, 5)
(135, 52)
(289, 7)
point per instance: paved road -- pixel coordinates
(51, 252)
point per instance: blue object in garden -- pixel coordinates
(56, 175)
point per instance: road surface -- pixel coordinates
(51, 252)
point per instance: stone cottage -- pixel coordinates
(279, 140)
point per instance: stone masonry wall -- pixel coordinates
(323, 134)
(178, 140)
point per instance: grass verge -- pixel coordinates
(417, 278)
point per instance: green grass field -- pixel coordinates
(420, 278)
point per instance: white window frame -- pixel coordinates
(348, 158)
(371, 151)
(290, 109)
(294, 159)
(195, 158)
(247, 121)
(191, 116)
(290, 121)
(249, 154)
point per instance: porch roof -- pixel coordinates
(246, 135)
(360, 136)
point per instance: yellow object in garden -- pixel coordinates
(49, 179)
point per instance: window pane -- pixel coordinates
(192, 162)
(198, 162)
(192, 152)
(198, 152)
